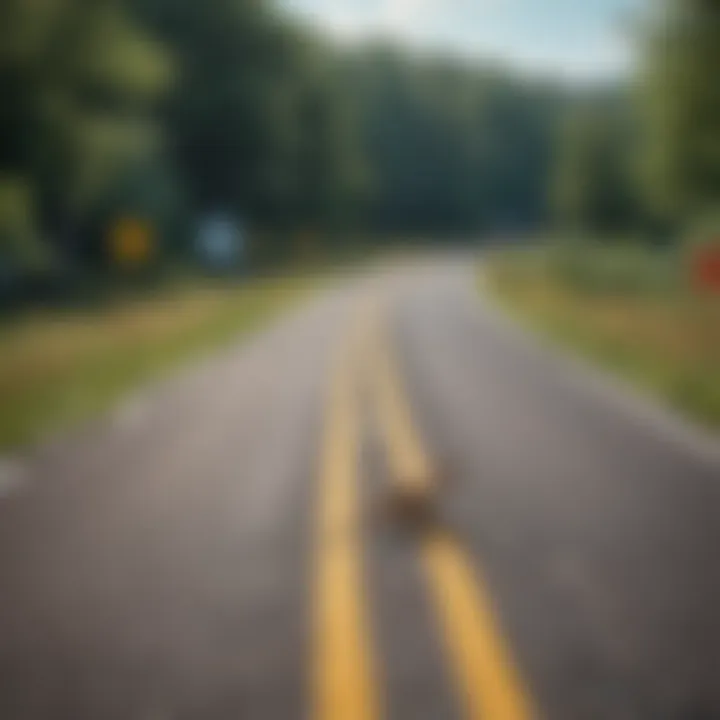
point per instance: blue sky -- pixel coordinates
(572, 39)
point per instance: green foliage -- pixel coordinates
(20, 246)
(61, 369)
(624, 269)
(451, 148)
(232, 106)
(80, 81)
(681, 158)
(625, 307)
(233, 115)
(592, 186)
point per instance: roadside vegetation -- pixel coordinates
(59, 367)
(633, 309)
(635, 172)
(140, 136)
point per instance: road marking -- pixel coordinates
(411, 470)
(343, 680)
(484, 672)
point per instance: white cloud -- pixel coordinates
(351, 20)
(472, 28)
(403, 15)
(345, 21)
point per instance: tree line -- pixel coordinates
(170, 109)
(646, 162)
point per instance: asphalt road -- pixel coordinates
(227, 544)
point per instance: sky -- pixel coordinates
(569, 39)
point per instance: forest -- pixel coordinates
(168, 110)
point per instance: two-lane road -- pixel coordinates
(221, 547)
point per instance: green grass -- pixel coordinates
(61, 367)
(628, 308)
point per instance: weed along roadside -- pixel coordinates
(61, 367)
(634, 311)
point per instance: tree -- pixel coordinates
(80, 80)
(592, 190)
(452, 148)
(681, 159)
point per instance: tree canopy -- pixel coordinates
(174, 108)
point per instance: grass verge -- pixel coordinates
(60, 367)
(630, 310)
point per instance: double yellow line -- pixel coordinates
(345, 678)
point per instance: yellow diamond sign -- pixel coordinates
(131, 242)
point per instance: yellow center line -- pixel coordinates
(410, 466)
(343, 674)
(485, 674)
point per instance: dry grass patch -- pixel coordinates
(667, 340)
(59, 367)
